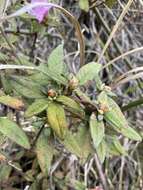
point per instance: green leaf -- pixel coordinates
(36, 107)
(84, 5)
(57, 119)
(71, 144)
(26, 87)
(12, 102)
(119, 147)
(24, 60)
(14, 132)
(117, 120)
(44, 151)
(7, 88)
(114, 146)
(88, 72)
(96, 130)
(71, 105)
(114, 116)
(101, 151)
(55, 60)
(131, 133)
(79, 143)
(53, 75)
(5, 171)
(40, 78)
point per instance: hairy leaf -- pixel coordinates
(26, 87)
(55, 60)
(56, 119)
(14, 132)
(101, 151)
(5, 171)
(79, 143)
(114, 115)
(117, 120)
(114, 146)
(131, 133)
(71, 105)
(44, 151)
(36, 107)
(12, 102)
(88, 72)
(96, 130)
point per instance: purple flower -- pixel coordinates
(40, 12)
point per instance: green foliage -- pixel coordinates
(79, 143)
(97, 130)
(36, 107)
(44, 151)
(102, 151)
(71, 105)
(75, 115)
(56, 119)
(88, 72)
(14, 132)
(12, 102)
(55, 60)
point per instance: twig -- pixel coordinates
(100, 171)
(37, 136)
(123, 55)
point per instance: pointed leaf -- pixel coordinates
(44, 151)
(119, 147)
(14, 132)
(114, 146)
(57, 119)
(114, 116)
(131, 133)
(12, 102)
(96, 130)
(71, 105)
(36, 107)
(79, 143)
(55, 60)
(101, 151)
(117, 120)
(53, 75)
(71, 144)
(5, 171)
(88, 72)
(26, 87)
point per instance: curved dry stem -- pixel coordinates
(127, 79)
(137, 69)
(122, 56)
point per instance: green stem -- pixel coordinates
(132, 104)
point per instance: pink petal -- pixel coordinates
(40, 12)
